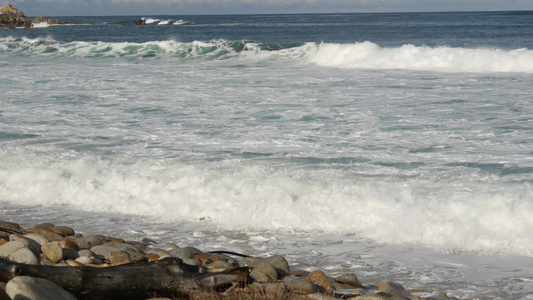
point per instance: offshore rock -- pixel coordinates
(25, 287)
(139, 22)
(11, 17)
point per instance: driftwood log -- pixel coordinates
(167, 277)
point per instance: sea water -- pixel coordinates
(393, 146)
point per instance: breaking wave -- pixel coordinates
(365, 55)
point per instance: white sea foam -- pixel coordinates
(460, 214)
(41, 25)
(150, 20)
(365, 55)
(371, 56)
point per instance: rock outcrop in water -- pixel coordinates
(48, 21)
(11, 17)
(139, 22)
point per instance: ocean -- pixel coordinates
(396, 146)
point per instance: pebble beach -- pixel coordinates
(266, 277)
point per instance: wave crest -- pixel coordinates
(365, 55)
(368, 55)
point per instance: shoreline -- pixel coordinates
(50, 246)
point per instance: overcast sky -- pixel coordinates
(51, 8)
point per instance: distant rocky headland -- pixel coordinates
(12, 17)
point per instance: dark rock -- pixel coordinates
(46, 20)
(139, 22)
(11, 17)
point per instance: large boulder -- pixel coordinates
(11, 17)
(24, 287)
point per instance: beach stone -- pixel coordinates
(394, 289)
(86, 252)
(46, 231)
(11, 226)
(345, 293)
(94, 240)
(159, 252)
(183, 253)
(39, 238)
(169, 246)
(84, 244)
(148, 242)
(25, 287)
(116, 240)
(136, 254)
(70, 245)
(205, 258)
(69, 253)
(220, 264)
(53, 251)
(299, 285)
(104, 251)
(277, 261)
(153, 257)
(73, 263)
(275, 290)
(191, 262)
(85, 260)
(32, 244)
(24, 256)
(261, 277)
(337, 286)
(320, 279)
(267, 269)
(350, 279)
(119, 257)
(63, 230)
(138, 245)
(14, 250)
(320, 296)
